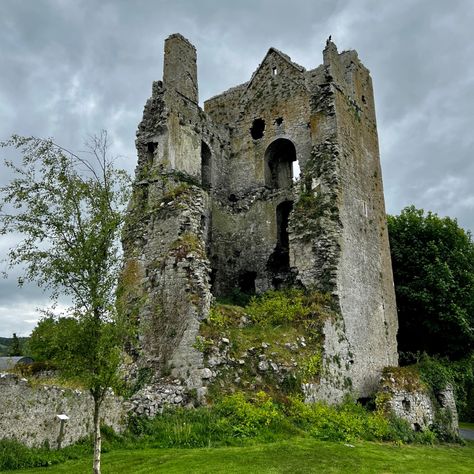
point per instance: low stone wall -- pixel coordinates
(409, 399)
(29, 413)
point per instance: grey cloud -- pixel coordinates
(72, 67)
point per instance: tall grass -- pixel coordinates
(234, 420)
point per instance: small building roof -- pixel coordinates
(9, 363)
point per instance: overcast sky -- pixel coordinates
(70, 68)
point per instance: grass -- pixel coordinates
(295, 456)
(465, 425)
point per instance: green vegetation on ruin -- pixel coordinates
(187, 243)
(281, 329)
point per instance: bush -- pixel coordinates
(437, 372)
(402, 432)
(14, 455)
(277, 307)
(177, 428)
(288, 306)
(346, 422)
(241, 418)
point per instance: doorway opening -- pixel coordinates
(247, 282)
(279, 261)
(206, 169)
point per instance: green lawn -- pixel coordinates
(295, 456)
(463, 424)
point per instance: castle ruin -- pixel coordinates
(276, 183)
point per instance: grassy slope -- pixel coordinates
(299, 456)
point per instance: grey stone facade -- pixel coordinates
(217, 206)
(29, 412)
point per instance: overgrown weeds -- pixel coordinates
(237, 419)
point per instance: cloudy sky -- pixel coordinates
(70, 68)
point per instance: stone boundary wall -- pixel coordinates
(418, 404)
(422, 411)
(28, 413)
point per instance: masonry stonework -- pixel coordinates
(218, 206)
(29, 412)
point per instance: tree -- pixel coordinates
(433, 267)
(68, 210)
(15, 348)
(47, 339)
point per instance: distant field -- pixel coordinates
(298, 456)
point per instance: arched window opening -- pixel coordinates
(206, 168)
(279, 158)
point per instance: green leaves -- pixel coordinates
(433, 266)
(68, 211)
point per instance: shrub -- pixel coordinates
(346, 422)
(241, 418)
(311, 368)
(437, 372)
(288, 306)
(276, 307)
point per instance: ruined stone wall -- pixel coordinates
(214, 187)
(365, 281)
(244, 224)
(405, 396)
(166, 273)
(28, 413)
(279, 98)
(224, 108)
(244, 236)
(180, 68)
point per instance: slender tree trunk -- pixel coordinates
(97, 437)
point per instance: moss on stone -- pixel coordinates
(186, 244)
(404, 378)
(273, 344)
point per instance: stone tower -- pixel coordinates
(276, 183)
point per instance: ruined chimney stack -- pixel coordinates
(180, 68)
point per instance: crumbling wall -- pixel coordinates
(405, 396)
(28, 413)
(357, 248)
(215, 203)
(244, 238)
(244, 222)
